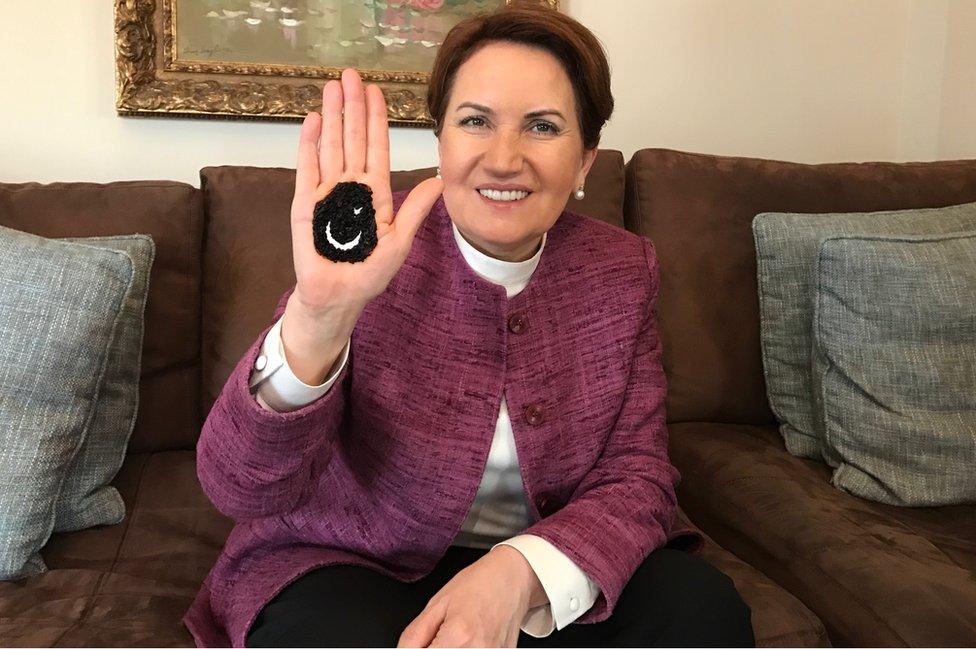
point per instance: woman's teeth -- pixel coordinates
(497, 195)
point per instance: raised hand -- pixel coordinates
(349, 141)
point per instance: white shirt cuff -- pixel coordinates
(278, 389)
(571, 592)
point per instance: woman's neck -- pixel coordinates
(513, 274)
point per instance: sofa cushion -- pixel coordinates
(86, 498)
(172, 214)
(61, 304)
(778, 618)
(875, 574)
(786, 250)
(248, 262)
(895, 365)
(697, 209)
(128, 584)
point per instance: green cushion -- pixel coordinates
(60, 304)
(894, 366)
(86, 497)
(786, 248)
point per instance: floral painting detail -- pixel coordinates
(401, 35)
(268, 59)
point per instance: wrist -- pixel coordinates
(313, 342)
(528, 583)
(326, 313)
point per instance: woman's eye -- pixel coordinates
(547, 128)
(472, 121)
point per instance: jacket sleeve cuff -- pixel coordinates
(278, 389)
(570, 591)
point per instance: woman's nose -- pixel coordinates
(504, 155)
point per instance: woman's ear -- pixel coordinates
(589, 156)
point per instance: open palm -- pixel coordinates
(350, 141)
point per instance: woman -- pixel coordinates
(460, 441)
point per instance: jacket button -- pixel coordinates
(517, 323)
(534, 414)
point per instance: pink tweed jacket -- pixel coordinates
(381, 471)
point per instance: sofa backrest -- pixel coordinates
(698, 211)
(248, 261)
(172, 214)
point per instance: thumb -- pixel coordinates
(423, 629)
(415, 208)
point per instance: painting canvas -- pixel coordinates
(391, 35)
(268, 59)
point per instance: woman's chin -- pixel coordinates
(500, 247)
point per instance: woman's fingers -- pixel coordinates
(353, 123)
(307, 171)
(306, 188)
(378, 132)
(378, 152)
(330, 144)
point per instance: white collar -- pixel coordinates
(510, 274)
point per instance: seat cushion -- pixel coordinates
(697, 209)
(127, 584)
(778, 618)
(876, 575)
(248, 262)
(172, 214)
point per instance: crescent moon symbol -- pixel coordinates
(341, 246)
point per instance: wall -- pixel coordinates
(805, 80)
(957, 135)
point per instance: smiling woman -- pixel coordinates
(514, 149)
(459, 440)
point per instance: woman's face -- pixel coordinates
(510, 127)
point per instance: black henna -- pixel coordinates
(335, 217)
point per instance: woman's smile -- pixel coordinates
(503, 199)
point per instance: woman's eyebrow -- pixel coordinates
(471, 104)
(488, 111)
(545, 111)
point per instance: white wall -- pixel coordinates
(805, 80)
(957, 137)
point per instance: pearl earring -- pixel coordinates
(580, 193)
(438, 172)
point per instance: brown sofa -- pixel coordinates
(876, 575)
(223, 259)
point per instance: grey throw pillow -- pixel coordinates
(87, 499)
(895, 366)
(60, 304)
(786, 248)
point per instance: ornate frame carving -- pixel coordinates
(150, 83)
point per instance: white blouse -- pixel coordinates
(500, 509)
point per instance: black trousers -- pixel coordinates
(673, 599)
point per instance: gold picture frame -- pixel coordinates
(153, 81)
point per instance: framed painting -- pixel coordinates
(268, 59)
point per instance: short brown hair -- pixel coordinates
(533, 24)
